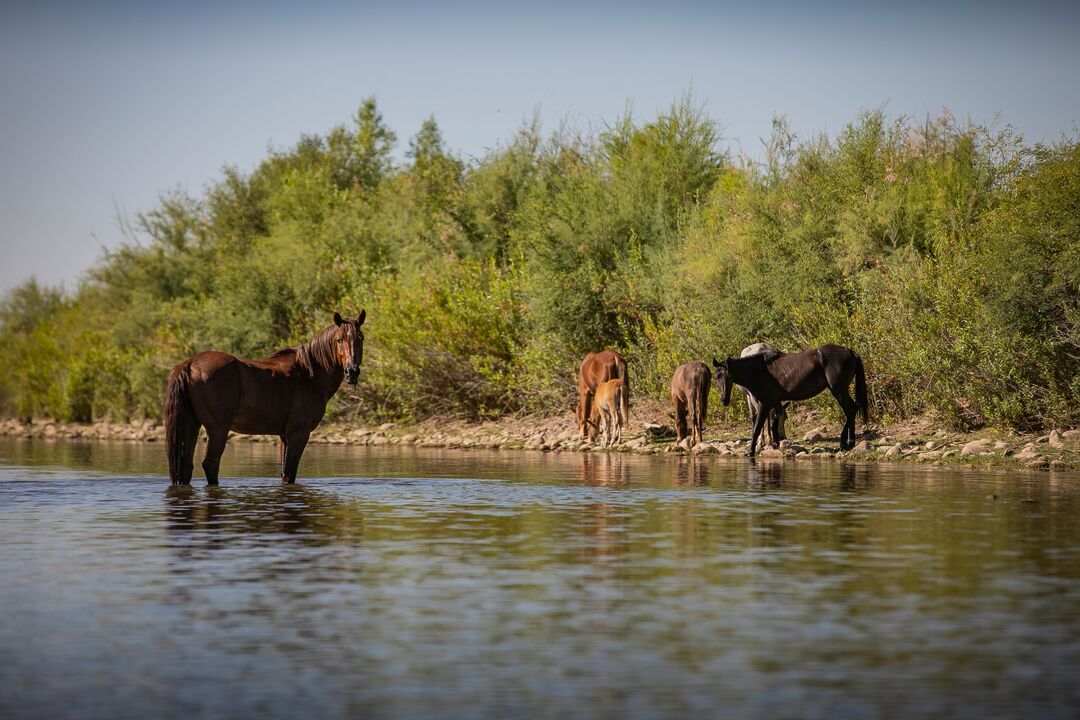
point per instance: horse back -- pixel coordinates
(600, 367)
(691, 379)
(250, 396)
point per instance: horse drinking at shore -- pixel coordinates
(284, 394)
(690, 395)
(773, 377)
(598, 368)
(607, 413)
(775, 429)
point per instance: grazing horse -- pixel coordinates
(773, 377)
(775, 430)
(690, 394)
(597, 368)
(607, 411)
(284, 395)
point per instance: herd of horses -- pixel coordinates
(768, 378)
(286, 394)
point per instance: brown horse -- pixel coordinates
(773, 377)
(597, 368)
(607, 413)
(690, 394)
(284, 395)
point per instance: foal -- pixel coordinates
(608, 404)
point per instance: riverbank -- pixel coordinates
(809, 438)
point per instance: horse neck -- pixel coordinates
(325, 376)
(328, 380)
(743, 370)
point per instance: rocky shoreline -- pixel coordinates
(916, 442)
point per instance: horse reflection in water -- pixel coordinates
(604, 469)
(257, 516)
(692, 471)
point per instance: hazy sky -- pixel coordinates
(103, 105)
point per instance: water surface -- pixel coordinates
(444, 583)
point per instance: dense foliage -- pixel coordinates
(948, 256)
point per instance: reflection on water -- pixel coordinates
(404, 583)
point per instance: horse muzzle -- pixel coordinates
(352, 375)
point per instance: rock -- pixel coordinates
(49, 431)
(949, 453)
(706, 449)
(658, 432)
(771, 452)
(1027, 454)
(977, 447)
(408, 440)
(894, 450)
(1038, 464)
(387, 426)
(1058, 465)
(1054, 438)
(802, 455)
(930, 455)
(1043, 440)
(1001, 445)
(930, 445)
(1070, 433)
(863, 446)
(815, 435)
(685, 443)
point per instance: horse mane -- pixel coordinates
(318, 352)
(769, 355)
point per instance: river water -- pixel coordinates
(410, 583)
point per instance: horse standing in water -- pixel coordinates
(284, 394)
(773, 377)
(775, 430)
(598, 368)
(690, 395)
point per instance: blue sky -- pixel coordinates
(104, 106)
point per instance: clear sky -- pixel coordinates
(105, 105)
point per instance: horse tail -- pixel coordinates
(625, 377)
(860, 389)
(181, 425)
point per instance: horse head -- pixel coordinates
(723, 377)
(349, 345)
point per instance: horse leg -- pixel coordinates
(754, 407)
(294, 448)
(281, 456)
(847, 435)
(680, 421)
(758, 424)
(619, 419)
(187, 463)
(215, 446)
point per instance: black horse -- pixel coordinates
(773, 377)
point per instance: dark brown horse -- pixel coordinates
(595, 369)
(690, 395)
(775, 425)
(773, 377)
(284, 395)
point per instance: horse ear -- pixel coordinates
(361, 316)
(337, 319)
(715, 363)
